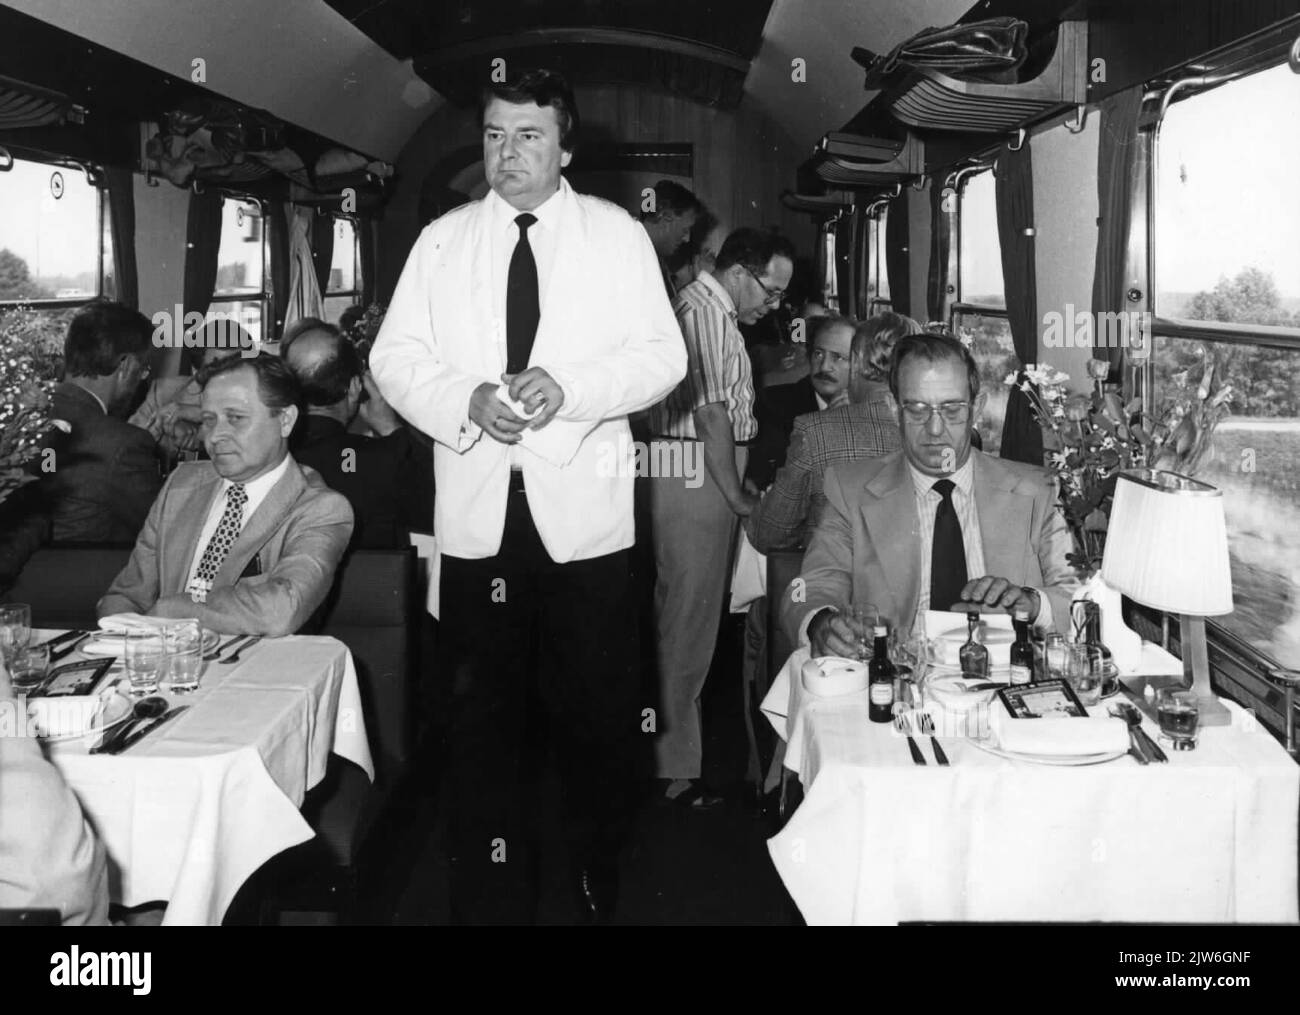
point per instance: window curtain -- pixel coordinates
(369, 262)
(278, 218)
(896, 244)
(1022, 441)
(322, 249)
(304, 292)
(121, 212)
(937, 297)
(844, 258)
(202, 246)
(1116, 164)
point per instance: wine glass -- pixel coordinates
(142, 657)
(15, 627)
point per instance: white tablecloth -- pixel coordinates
(1209, 837)
(193, 810)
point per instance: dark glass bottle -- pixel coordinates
(974, 657)
(1022, 650)
(1087, 619)
(880, 676)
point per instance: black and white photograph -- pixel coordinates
(651, 463)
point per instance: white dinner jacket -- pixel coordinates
(607, 336)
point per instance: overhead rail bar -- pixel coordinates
(934, 101)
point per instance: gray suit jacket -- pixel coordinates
(276, 574)
(867, 544)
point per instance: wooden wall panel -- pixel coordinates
(743, 161)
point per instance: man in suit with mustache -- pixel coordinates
(247, 542)
(932, 525)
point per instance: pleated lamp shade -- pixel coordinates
(1167, 544)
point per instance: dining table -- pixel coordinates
(1208, 837)
(188, 813)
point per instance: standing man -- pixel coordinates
(669, 225)
(558, 297)
(695, 526)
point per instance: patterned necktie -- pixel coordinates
(214, 554)
(947, 551)
(522, 308)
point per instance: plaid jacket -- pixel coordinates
(790, 509)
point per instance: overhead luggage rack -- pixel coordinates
(930, 100)
(852, 160)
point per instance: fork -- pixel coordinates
(927, 730)
(902, 725)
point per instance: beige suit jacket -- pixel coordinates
(867, 543)
(277, 572)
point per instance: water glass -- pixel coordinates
(142, 656)
(15, 627)
(183, 661)
(1085, 671)
(1179, 714)
(28, 667)
(864, 616)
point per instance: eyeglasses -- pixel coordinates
(774, 296)
(923, 412)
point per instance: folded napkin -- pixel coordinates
(68, 715)
(828, 676)
(557, 442)
(749, 577)
(1063, 737)
(122, 623)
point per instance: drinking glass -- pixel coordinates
(1056, 654)
(142, 656)
(1084, 670)
(183, 659)
(28, 667)
(15, 627)
(1179, 716)
(864, 616)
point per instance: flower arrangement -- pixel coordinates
(29, 365)
(1089, 439)
(362, 329)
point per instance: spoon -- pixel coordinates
(150, 707)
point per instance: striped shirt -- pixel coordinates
(717, 367)
(927, 506)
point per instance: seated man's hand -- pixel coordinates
(831, 634)
(537, 390)
(375, 411)
(495, 417)
(185, 435)
(999, 593)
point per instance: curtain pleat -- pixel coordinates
(279, 217)
(940, 244)
(304, 293)
(1116, 161)
(322, 249)
(844, 257)
(896, 254)
(202, 246)
(121, 211)
(1022, 440)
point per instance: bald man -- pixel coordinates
(388, 479)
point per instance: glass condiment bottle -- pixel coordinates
(1022, 651)
(880, 679)
(974, 657)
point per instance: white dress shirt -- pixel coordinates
(256, 489)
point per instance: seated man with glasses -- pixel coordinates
(936, 524)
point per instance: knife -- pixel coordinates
(1155, 750)
(58, 639)
(139, 735)
(69, 648)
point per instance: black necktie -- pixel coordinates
(522, 310)
(947, 552)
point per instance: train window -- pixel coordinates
(344, 287)
(979, 316)
(240, 288)
(54, 236)
(1227, 290)
(877, 273)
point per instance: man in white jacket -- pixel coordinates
(524, 329)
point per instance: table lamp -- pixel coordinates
(1167, 548)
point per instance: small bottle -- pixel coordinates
(974, 657)
(880, 678)
(1022, 651)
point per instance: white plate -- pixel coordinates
(115, 710)
(1069, 760)
(105, 643)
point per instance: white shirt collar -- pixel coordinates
(716, 288)
(821, 402)
(547, 213)
(258, 488)
(963, 478)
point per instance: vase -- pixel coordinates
(1124, 643)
